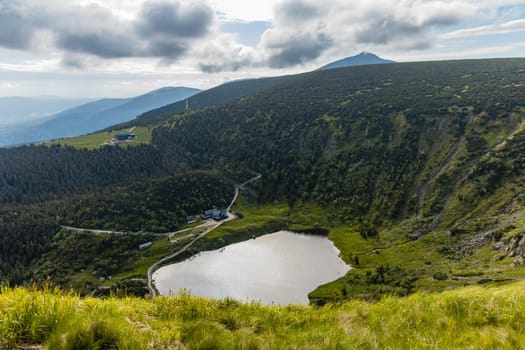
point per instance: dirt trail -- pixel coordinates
(209, 228)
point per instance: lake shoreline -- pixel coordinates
(285, 261)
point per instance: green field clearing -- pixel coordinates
(96, 140)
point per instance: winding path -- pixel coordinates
(209, 228)
(237, 187)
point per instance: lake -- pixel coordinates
(280, 268)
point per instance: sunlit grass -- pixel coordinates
(96, 140)
(471, 318)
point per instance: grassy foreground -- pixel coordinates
(469, 318)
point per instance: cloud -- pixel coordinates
(89, 33)
(498, 28)
(298, 34)
(175, 19)
(244, 11)
(224, 53)
(403, 24)
(92, 30)
(303, 31)
(295, 49)
(297, 11)
(164, 30)
(80, 62)
(97, 44)
(12, 34)
(385, 30)
(170, 27)
(72, 61)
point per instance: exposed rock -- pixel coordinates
(516, 246)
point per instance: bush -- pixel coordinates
(440, 276)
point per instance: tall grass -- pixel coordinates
(471, 318)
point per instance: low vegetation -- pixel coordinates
(469, 318)
(104, 138)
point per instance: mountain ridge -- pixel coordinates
(97, 115)
(214, 96)
(361, 59)
(240, 88)
(28, 110)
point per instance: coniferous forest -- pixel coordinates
(371, 146)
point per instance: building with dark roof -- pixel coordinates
(124, 136)
(215, 214)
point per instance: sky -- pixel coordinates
(123, 48)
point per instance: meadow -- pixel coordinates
(467, 318)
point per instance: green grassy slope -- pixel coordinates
(99, 139)
(470, 318)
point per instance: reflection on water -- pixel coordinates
(279, 268)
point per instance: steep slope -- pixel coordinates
(364, 58)
(422, 163)
(97, 115)
(470, 318)
(387, 128)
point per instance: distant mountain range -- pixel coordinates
(236, 89)
(110, 113)
(96, 115)
(362, 59)
(220, 94)
(25, 110)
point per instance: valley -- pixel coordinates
(415, 172)
(260, 175)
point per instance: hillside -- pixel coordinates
(215, 96)
(400, 133)
(471, 318)
(364, 58)
(416, 170)
(96, 115)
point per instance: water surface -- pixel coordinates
(279, 268)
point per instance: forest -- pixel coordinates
(371, 145)
(28, 231)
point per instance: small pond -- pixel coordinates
(280, 268)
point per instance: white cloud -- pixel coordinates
(7, 85)
(479, 52)
(347, 27)
(498, 28)
(245, 11)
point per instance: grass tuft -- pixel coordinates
(468, 318)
